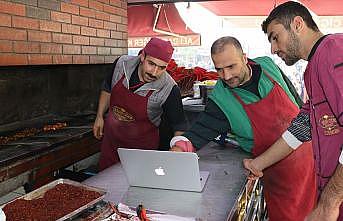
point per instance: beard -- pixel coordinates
(292, 50)
(241, 79)
(233, 82)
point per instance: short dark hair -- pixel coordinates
(285, 13)
(218, 45)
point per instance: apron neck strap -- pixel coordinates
(240, 99)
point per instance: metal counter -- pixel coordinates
(214, 203)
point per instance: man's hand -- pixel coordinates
(323, 213)
(98, 127)
(176, 149)
(330, 199)
(278, 151)
(253, 169)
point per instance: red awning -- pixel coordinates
(327, 7)
(141, 20)
(263, 7)
(164, 21)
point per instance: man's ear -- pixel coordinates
(298, 24)
(142, 55)
(245, 58)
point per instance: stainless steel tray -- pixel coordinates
(38, 193)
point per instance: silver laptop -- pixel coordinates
(163, 169)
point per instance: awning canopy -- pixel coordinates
(327, 7)
(263, 7)
(164, 21)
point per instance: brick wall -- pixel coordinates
(62, 31)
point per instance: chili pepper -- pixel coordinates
(141, 213)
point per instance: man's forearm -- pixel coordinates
(274, 154)
(332, 195)
(104, 102)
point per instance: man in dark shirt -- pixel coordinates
(136, 95)
(253, 101)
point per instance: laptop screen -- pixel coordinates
(162, 169)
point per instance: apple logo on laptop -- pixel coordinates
(160, 171)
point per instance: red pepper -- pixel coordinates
(141, 213)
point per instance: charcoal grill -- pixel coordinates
(36, 159)
(77, 127)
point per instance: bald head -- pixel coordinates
(230, 61)
(219, 45)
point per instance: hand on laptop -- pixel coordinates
(176, 149)
(182, 146)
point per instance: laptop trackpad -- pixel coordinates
(181, 203)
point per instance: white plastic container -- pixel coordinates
(196, 89)
(2, 215)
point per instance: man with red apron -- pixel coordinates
(284, 183)
(252, 96)
(294, 35)
(141, 90)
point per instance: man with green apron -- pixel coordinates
(253, 102)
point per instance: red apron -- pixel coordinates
(289, 185)
(127, 125)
